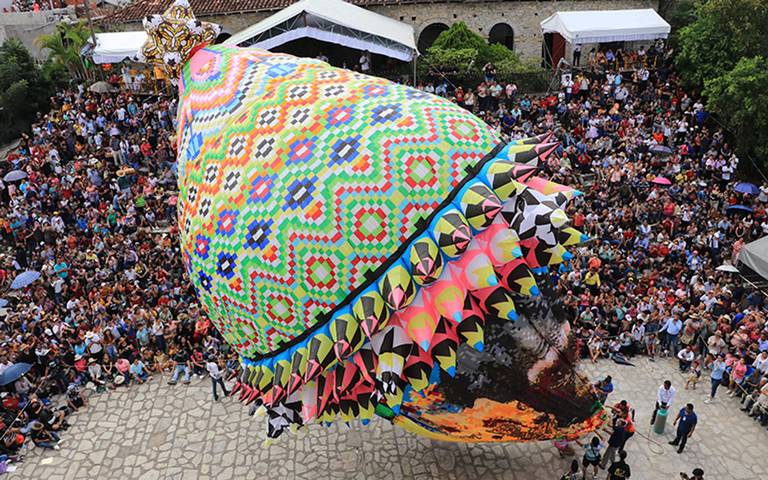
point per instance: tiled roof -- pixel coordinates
(138, 9)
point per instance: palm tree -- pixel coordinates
(64, 46)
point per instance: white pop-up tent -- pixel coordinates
(755, 256)
(332, 21)
(114, 47)
(600, 26)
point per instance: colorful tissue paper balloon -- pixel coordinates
(368, 248)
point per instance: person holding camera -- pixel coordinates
(697, 474)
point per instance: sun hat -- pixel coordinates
(119, 380)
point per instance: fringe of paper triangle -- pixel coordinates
(503, 227)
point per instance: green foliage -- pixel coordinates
(23, 89)
(64, 47)
(55, 73)
(460, 61)
(679, 13)
(497, 53)
(459, 36)
(463, 53)
(724, 50)
(724, 31)
(740, 98)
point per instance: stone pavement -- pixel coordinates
(157, 432)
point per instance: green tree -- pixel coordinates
(24, 91)
(463, 52)
(739, 98)
(724, 31)
(64, 46)
(460, 37)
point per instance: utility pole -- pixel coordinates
(87, 5)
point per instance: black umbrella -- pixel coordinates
(660, 150)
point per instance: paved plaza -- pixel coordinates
(156, 432)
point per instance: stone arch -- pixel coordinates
(429, 34)
(502, 33)
(222, 36)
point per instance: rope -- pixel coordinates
(18, 415)
(652, 444)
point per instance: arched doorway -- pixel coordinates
(429, 35)
(222, 36)
(503, 34)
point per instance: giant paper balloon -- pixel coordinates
(367, 247)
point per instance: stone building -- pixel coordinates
(513, 23)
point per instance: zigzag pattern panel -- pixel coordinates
(296, 178)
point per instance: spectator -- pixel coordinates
(44, 438)
(181, 361)
(138, 371)
(685, 358)
(697, 474)
(216, 377)
(592, 456)
(716, 377)
(619, 470)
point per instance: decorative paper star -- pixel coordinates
(174, 36)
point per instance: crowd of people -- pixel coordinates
(658, 176)
(34, 5)
(95, 215)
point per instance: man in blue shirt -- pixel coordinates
(686, 423)
(672, 328)
(716, 377)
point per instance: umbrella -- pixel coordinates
(746, 187)
(102, 87)
(24, 279)
(738, 208)
(661, 181)
(15, 175)
(727, 267)
(13, 373)
(661, 150)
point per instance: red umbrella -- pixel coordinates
(661, 181)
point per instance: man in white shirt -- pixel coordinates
(685, 358)
(664, 396)
(364, 63)
(216, 377)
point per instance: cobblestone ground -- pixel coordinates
(155, 432)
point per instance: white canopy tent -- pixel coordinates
(755, 256)
(331, 21)
(600, 26)
(115, 47)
